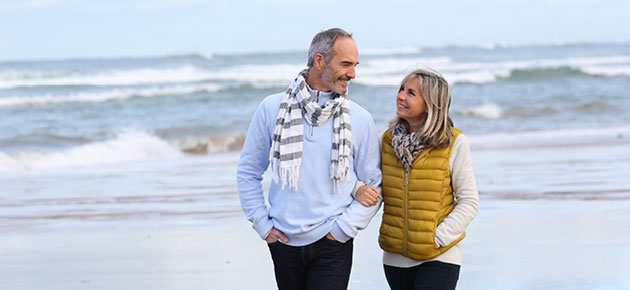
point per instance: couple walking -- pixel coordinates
(329, 176)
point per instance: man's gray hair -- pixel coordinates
(322, 43)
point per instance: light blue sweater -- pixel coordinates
(315, 209)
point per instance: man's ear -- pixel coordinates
(319, 61)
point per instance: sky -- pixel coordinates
(63, 29)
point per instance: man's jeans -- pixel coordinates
(324, 264)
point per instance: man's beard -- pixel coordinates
(329, 79)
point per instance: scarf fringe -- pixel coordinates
(339, 173)
(285, 174)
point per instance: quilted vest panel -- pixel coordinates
(416, 202)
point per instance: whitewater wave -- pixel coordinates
(263, 75)
(389, 71)
(126, 146)
(209, 145)
(205, 55)
(386, 70)
(21, 75)
(108, 95)
(607, 71)
(260, 75)
(487, 111)
(187, 73)
(391, 51)
(493, 111)
(8, 163)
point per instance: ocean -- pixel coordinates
(92, 150)
(63, 118)
(69, 113)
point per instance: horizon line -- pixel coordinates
(210, 55)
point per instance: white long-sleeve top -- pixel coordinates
(466, 206)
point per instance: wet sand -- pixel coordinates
(531, 244)
(550, 218)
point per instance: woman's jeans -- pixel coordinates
(432, 275)
(324, 264)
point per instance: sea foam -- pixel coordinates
(487, 111)
(607, 71)
(387, 70)
(211, 145)
(117, 94)
(391, 51)
(128, 145)
(187, 73)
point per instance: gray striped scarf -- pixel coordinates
(288, 135)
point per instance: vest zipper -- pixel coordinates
(406, 216)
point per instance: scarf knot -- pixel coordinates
(407, 146)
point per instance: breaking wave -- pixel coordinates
(117, 94)
(125, 146)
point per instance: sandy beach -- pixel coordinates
(525, 244)
(174, 228)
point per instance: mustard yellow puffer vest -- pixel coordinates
(416, 202)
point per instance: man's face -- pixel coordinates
(340, 69)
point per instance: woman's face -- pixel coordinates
(410, 104)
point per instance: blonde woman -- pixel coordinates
(429, 188)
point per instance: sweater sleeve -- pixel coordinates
(466, 194)
(251, 166)
(367, 163)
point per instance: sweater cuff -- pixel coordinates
(356, 188)
(437, 242)
(263, 227)
(338, 234)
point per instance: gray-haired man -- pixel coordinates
(319, 144)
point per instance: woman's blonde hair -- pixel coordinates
(436, 92)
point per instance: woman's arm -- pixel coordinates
(465, 191)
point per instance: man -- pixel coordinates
(319, 144)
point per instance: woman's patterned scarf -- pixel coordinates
(407, 146)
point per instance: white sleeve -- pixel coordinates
(358, 184)
(465, 191)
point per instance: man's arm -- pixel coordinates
(251, 166)
(367, 165)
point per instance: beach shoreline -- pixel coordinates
(524, 244)
(550, 218)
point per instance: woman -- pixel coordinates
(429, 188)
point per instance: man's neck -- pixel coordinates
(314, 81)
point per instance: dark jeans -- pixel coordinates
(324, 264)
(426, 276)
